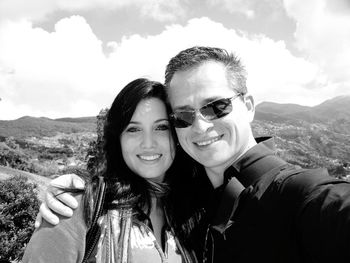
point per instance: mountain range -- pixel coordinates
(336, 111)
(308, 136)
(27, 126)
(336, 108)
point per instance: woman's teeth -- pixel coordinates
(149, 157)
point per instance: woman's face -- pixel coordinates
(147, 144)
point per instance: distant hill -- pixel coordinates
(78, 120)
(336, 108)
(44, 127)
(309, 136)
(330, 110)
(334, 113)
(281, 109)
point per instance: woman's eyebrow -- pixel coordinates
(156, 121)
(161, 120)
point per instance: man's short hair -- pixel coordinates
(195, 56)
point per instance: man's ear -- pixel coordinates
(249, 103)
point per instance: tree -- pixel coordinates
(95, 157)
(12, 157)
(338, 170)
(19, 205)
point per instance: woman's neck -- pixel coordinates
(157, 219)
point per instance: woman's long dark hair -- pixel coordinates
(124, 188)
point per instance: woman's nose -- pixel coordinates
(148, 140)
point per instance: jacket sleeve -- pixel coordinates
(64, 242)
(323, 222)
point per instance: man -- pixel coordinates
(265, 210)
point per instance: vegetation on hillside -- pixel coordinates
(95, 157)
(308, 140)
(307, 136)
(46, 156)
(301, 136)
(19, 205)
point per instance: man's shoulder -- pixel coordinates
(297, 180)
(305, 175)
(296, 176)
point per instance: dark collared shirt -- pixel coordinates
(284, 214)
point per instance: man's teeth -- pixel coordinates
(207, 142)
(149, 157)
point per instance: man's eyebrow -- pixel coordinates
(204, 102)
(184, 107)
(211, 99)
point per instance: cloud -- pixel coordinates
(66, 73)
(250, 9)
(323, 34)
(275, 74)
(50, 70)
(235, 6)
(160, 10)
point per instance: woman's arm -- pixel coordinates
(64, 242)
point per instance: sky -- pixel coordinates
(70, 58)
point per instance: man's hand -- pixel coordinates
(57, 201)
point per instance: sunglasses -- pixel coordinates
(211, 111)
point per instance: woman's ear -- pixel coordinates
(249, 103)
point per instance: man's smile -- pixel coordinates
(208, 141)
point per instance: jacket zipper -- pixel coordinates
(182, 251)
(92, 246)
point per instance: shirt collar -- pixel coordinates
(257, 161)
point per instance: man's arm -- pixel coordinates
(62, 243)
(56, 201)
(324, 223)
(321, 214)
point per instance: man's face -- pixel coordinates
(218, 143)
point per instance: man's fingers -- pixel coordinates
(68, 200)
(47, 214)
(56, 188)
(68, 181)
(53, 203)
(78, 182)
(38, 220)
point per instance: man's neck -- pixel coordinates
(216, 174)
(216, 177)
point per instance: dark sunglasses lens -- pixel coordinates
(182, 119)
(217, 109)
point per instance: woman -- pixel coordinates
(145, 217)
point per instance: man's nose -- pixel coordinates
(200, 124)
